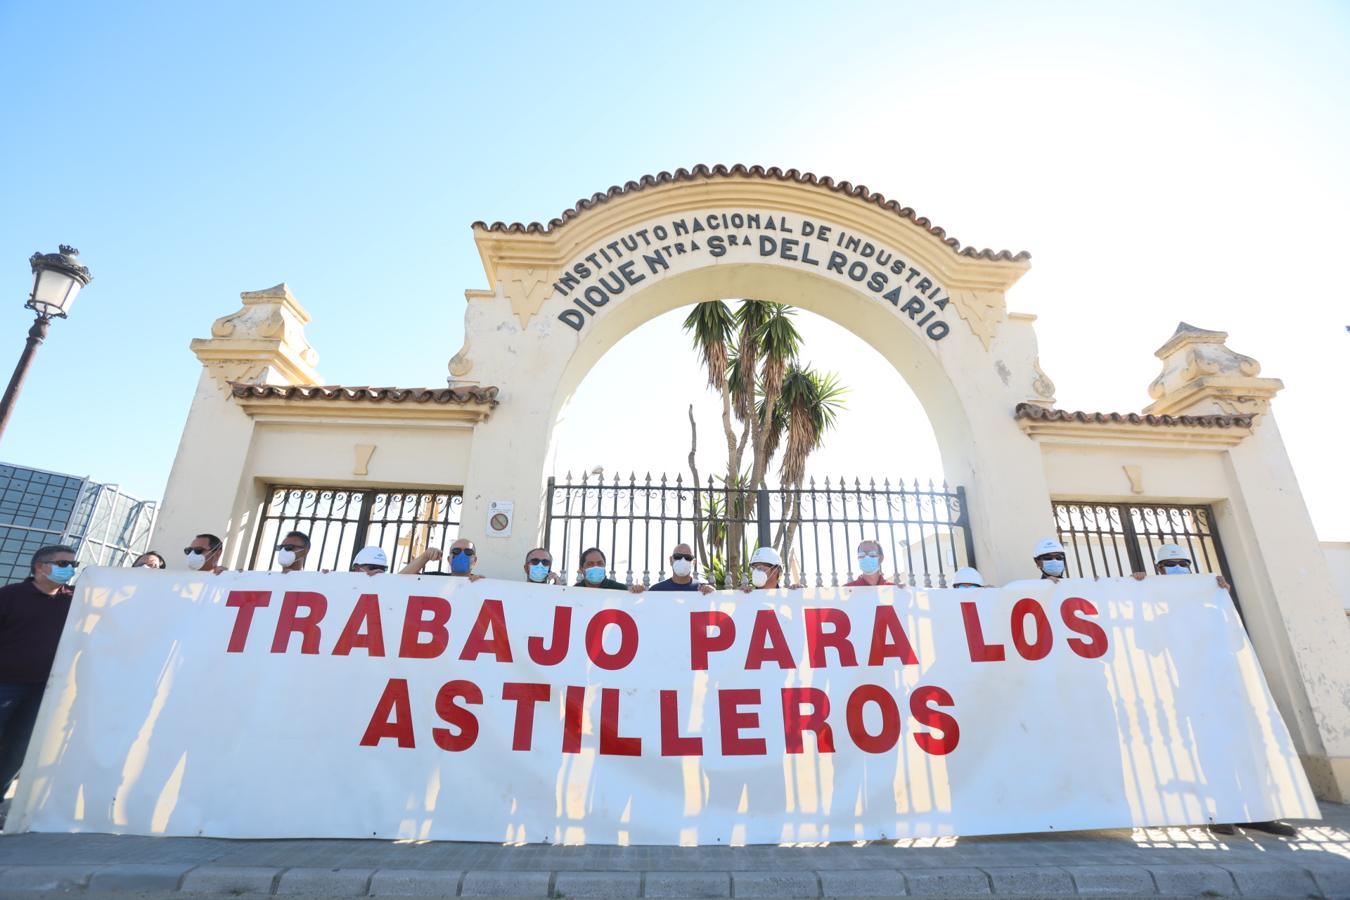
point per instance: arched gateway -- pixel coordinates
(560, 295)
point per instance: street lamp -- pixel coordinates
(57, 278)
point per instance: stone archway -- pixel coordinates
(564, 293)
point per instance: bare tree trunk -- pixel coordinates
(699, 546)
(732, 531)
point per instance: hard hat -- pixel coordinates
(1048, 545)
(1171, 551)
(766, 555)
(371, 556)
(967, 575)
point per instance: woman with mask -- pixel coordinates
(150, 560)
(593, 573)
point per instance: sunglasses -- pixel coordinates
(205, 551)
(366, 567)
(1176, 564)
(1058, 556)
(687, 557)
(294, 548)
(65, 562)
(539, 561)
(456, 551)
(875, 554)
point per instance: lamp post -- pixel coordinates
(57, 278)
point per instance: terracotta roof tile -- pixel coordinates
(1040, 413)
(704, 173)
(467, 395)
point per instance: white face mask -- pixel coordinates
(285, 557)
(682, 568)
(195, 560)
(759, 577)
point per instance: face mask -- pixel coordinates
(61, 574)
(966, 587)
(195, 560)
(285, 557)
(682, 568)
(459, 564)
(595, 574)
(869, 565)
(759, 578)
(538, 572)
(1053, 567)
(1176, 570)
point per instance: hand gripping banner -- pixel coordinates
(257, 705)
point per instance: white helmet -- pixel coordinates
(967, 575)
(371, 556)
(1171, 551)
(1048, 545)
(766, 555)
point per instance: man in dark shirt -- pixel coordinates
(682, 573)
(32, 617)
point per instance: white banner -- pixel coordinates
(343, 705)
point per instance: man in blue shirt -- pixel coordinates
(682, 573)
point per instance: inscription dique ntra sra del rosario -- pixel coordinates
(593, 281)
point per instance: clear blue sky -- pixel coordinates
(1161, 161)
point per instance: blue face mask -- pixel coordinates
(869, 564)
(538, 573)
(459, 564)
(1053, 567)
(62, 574)
(595, 574)
(1175, 570)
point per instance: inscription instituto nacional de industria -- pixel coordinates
(602, 276)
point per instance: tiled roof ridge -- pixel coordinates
(1040, 413)
(703, 172)
(475, 395)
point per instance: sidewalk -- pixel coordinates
(1188, 862)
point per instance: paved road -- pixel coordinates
(1143, 862)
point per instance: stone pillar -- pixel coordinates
(1288, 599)
(262, 343)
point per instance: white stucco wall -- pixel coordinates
(1338, 561)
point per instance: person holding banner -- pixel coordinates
(766, 568)
(32, 617)
(292, 550)
(593, 572)
(870, 558)
(371, 561)
(1172, 559)
(538, 567)
(1049, 559)
(419, 562)
(967, 577)
(203, 553)
(682, 573)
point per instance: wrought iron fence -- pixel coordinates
(924, 531)
(340, 521)
(1113, 539)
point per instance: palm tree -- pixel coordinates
(778, 342)
(811, 402)
(713, 325)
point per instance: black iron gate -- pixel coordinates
(1113, 539)
(923, 530)
(340, 521)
